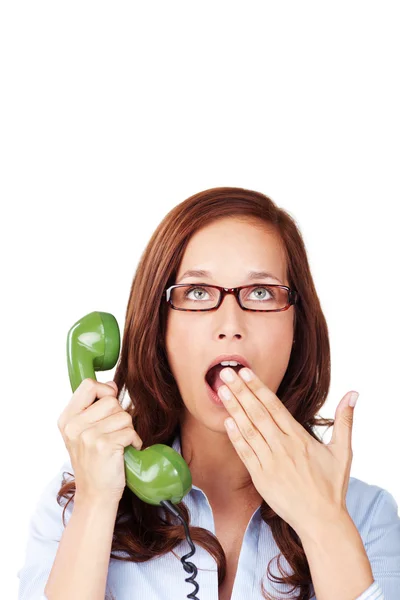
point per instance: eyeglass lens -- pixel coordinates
(256, 297)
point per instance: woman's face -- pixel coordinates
(229, 249)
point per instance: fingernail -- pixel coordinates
(353, 399)
(246, 374)
(225, 393)
(227, 375)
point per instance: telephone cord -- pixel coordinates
(187, 565)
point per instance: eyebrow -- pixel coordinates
(250, 275)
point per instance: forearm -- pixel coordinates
(80, 567)
(338, 563)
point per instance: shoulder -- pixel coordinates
(48, 512)
(375, 513)
(55, 481)
(45, 529)
(371, 506)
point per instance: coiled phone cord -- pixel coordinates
(188, 566)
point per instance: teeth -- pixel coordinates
(227, 363)
(232, 363)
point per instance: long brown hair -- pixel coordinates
(141, 530)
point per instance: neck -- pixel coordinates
(216, 467)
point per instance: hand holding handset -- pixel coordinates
(155, 474)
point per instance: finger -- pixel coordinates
(257, 412)
(114, 422)
(343, 426)
(278, 411)
(246, 452)
(86, 393)
(254, 430)
(101, 409)
(125, 437)
(113, 384)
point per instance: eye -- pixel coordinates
(259, 287)
(193, 288)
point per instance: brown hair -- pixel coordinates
(141, 532)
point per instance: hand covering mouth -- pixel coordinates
(213, 375)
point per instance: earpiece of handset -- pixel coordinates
(156, 473)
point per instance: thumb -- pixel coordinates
(343, 427)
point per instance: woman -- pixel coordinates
(177, 327)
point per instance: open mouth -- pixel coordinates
(213, 376)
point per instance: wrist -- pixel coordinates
(338, 562)
(316, 530)
(84, 500)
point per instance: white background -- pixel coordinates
(113, 113)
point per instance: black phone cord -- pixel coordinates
(187, 565)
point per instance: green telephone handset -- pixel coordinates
(155, 474)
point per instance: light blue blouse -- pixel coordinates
(373, 510)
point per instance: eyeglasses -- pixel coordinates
(201, 297)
